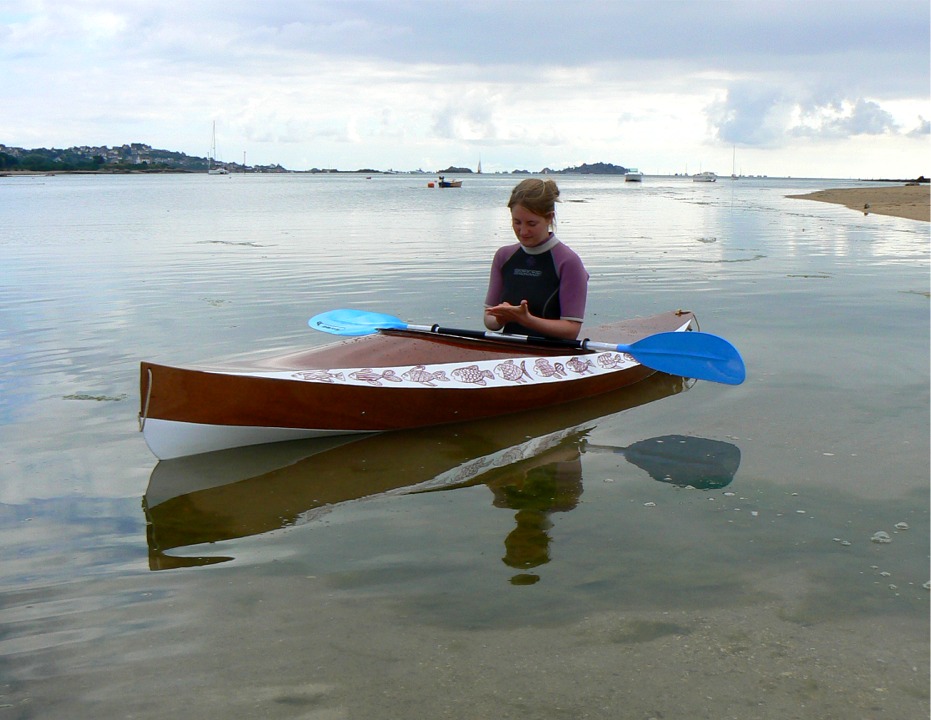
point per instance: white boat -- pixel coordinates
(212, 168)
(706, 176)
(633, 175)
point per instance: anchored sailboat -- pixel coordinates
(212, 167)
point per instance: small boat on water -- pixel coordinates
(706, 177)
(212, 167)
(393, 379)
(444, 183)
(633, 175)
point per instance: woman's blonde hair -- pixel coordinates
(538, 196)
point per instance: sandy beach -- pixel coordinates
(905, 201)
(291, 650)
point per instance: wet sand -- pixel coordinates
(905, 201)
(292, 649)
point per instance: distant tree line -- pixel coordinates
(133, 157)
(598, 168)
(45, 160)
(36, 160)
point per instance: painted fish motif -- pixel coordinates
(472, 374)
(609, 361)
(580, 367)
(509, 370)
(419, 374)
(545, 368)
(512, 456)
(373, 377)
(319, 376)
(470, 470)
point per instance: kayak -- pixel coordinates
(393, 379)
(390, 380)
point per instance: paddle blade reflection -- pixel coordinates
(681, 460)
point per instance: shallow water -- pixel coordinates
(545, 566)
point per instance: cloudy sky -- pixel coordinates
(804, 88)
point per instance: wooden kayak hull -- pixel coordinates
(393, 380)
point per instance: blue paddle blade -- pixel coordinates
(350, 323)
(690, 354)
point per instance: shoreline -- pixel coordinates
(912, 202)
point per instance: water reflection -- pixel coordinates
(531, 463)
(681, 460)
(551, 482)
(536, 488)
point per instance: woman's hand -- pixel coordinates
(506, 313)
(498, 316)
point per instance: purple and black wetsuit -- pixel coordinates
(550, 277)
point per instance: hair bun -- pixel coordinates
(538, 196)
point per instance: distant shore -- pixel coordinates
(911, 201)
(103, 171)
(905, 201)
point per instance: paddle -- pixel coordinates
(687, 354)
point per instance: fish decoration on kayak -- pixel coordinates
(488, 373)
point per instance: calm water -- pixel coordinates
(558, 567)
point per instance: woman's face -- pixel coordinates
(531, 229)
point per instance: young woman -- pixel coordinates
(538, 285)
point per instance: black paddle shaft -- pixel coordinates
(527, 339)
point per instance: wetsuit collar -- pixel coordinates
(542, 247)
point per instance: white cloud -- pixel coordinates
(751, 115)
(845, 119)
(921, 129)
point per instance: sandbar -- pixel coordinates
(904, 201)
